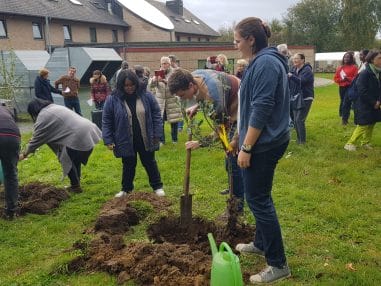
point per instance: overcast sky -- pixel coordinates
(220, 13)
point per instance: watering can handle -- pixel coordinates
(225, 246)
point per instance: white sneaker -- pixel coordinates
(270, 274)
(249, 248)
(350, 147)
(121, 194)
(159, 192)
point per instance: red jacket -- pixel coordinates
(345, 74)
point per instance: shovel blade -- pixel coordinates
(186, 210)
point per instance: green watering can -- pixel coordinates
(226, 270)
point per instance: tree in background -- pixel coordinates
(333, 25)
(359, 23)
(278, 35)
(314, 22)
(227, 33)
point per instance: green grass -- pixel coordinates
(327, 199)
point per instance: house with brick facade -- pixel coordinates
(127, 26)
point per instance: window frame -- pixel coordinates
(93, 35)
(67, 30)
(3, 24)
(39, 26)
(115, 36)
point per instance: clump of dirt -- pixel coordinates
(169, 229)
(147, 264)
(119, 214)
(38, 198)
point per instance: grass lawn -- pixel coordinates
(327, 199)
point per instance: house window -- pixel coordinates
(199, 39)
(37, 31)
(67, 32)
(189, 39)
(114, 36)
(177, 38)
(3, 29)
(93, 35)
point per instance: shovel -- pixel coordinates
(186, 198)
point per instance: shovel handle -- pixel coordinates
(187, 167)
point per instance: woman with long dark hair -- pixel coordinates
(132, 125)
(263, 139)
(70, 136)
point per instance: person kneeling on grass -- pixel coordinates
(70, 136)
(132, 125)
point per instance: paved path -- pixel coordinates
(322, 81)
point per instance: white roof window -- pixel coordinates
(196, 22)
(76, 2)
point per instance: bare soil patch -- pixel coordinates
(176, 255)
(38, 198)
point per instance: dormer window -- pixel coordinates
(76, 2)
(3, 29)
(37, 31)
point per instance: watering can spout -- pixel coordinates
(212, 243)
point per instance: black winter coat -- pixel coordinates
(369, 90)
(43, 89)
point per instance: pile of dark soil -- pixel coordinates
(176, 255)
(119, 214)
(147, 264)
(38, 198)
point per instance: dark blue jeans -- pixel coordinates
(258, 181)
(77, 158)
(345, 104)
(174, 132)
(73, 103)
(9, 156)
(150, 165)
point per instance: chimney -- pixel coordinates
(176, 6)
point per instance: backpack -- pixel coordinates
(352, 92)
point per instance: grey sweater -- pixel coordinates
(59, 127)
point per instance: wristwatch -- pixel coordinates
(246, 148)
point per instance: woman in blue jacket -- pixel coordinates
(263, 137)
(131, 125)
(301, 80)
